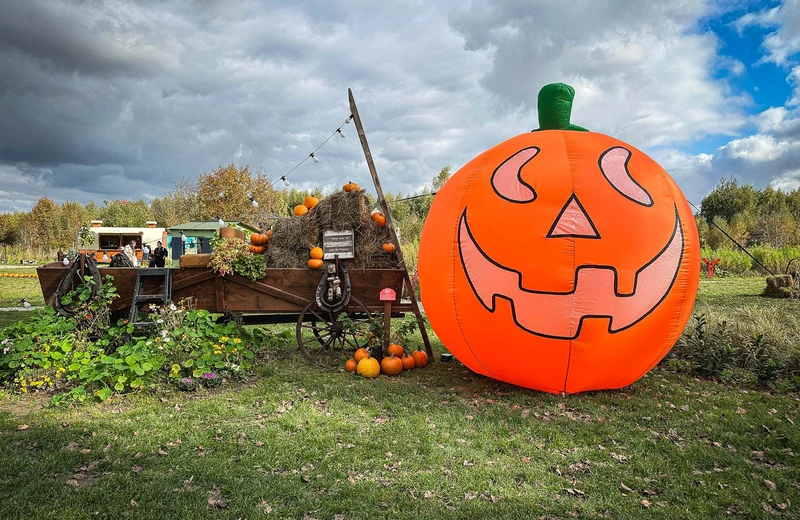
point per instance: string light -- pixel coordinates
(220, 221)
(183, 237)
(66, 261)
(105, 257)
(254, 202)
(25, 303)
(312, 155)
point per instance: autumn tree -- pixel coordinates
(225, 192)
(125, 213)
(44, 217)
(71, 216)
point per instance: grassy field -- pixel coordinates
(13, 289)
(439, 442)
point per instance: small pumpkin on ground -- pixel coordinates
(315, 263)
(420, 358)
(391, 366)
(397, 350)
(316, 253)
(300, 210)
(408, 362)
(310, 202)
(361, 354)
(351, 365)
(368, 367)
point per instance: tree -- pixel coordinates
(225, 192)
(728, 199)
(44, 217)
(441, 178)
(71, 216)
(124, 213)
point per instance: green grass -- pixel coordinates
(13, 289)
(438, 442)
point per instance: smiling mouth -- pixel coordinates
(594, 295)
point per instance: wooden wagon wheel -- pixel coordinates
(67, 283)
(322, 337)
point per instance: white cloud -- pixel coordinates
(785, 41)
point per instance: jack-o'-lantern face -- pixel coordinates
(559, 260)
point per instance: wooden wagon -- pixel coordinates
(282, 296)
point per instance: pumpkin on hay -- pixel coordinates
(408, 362)
(368, 367)
(613, 278)
(391, 365)
(314, 263)
(300, 210)
(351, 186)
(387, 248)
(378, 218)
(310, 202)
(351, 365)
(316, 253)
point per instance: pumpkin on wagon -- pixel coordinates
(593, 283)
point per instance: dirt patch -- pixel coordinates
(21, 406)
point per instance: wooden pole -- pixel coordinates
(382, 200)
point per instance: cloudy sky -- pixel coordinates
(104, 99)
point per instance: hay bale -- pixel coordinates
(190, 261)
(287, 257)
(369, 253)
(779, 286)
(295, 232)
(342, 211)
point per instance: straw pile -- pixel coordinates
(293, 237)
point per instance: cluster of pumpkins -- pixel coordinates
(259, 242)
(315, 258)
(308, 204)
(19, 275)
(397, 360)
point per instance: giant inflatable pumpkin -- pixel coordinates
(561, 259)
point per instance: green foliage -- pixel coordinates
(125, 213)
(709, 349)
(232, 255)
(86, 357)
(251, 266)
(85, 236)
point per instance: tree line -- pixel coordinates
(226, 192)
(753, 217)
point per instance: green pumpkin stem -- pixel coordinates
(555, 107)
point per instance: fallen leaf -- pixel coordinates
(470, 496)
(23, 427)
(770, 484)
(215, 499)
(265, 507)
(136, 469)
(625, 488)
(646, 503)
(468, 463)
(427, 494)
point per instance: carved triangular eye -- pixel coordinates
(573, 221)
(506, 179)
(614, 166)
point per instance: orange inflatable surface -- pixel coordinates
(560, 260)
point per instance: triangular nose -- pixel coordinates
(573, 221)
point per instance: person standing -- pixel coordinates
(158, 256)
(130, 252)
(145, 253)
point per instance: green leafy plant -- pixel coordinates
(252, 267)
(232, 255)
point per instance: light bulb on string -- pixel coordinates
(220, 221)
(254, 202)
(105, 257)
(285, 182)
(25, 303)
(342, 134)
(66, 261)
(314, 157)
(347, 121)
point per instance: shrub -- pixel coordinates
(708, 348)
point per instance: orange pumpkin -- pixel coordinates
(310, 202)
(351, 365)
(387, 248)
(391, 365)
(351, 186)
(408, 362)
(396, 350)
(316, 253)
(268, 234)
(361, 354)
(611, 278)
(257, 249)
(315, 263)
(258, 240)
(420, 358)
(300, 210)
(378, 218)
